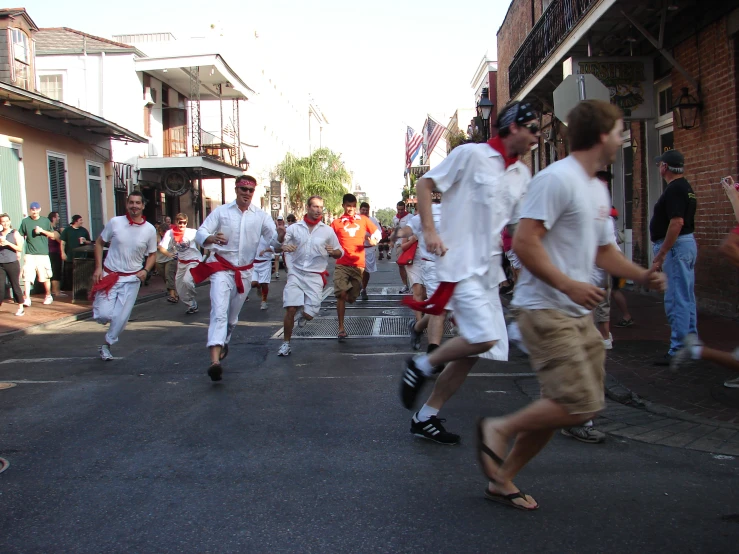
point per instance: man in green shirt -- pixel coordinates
(73, 237)
(37, 230)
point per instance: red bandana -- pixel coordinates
(310, 221)
(132, 222)
(177, 234)
(496, 143)
(401, 215)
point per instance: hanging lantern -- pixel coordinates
(687, 110)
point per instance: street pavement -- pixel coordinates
(311, 453)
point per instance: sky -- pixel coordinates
(372, 67)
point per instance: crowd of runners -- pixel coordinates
(479, 211)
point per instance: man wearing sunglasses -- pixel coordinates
(231, 232)
(483, 185)
(188, 256)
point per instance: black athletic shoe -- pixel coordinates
(433, 430)
(411, 384)
(215, 372)
(415, 336)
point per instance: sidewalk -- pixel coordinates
(696, 390)
(61, 310)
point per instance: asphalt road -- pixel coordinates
(310, 453)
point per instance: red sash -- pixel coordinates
(107, 283)
(323, 274)
(204, 270)
(188, 261)
(434, 305)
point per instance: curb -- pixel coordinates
(77, 317)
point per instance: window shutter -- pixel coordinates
(58, 188)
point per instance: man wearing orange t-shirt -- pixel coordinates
(351, 229)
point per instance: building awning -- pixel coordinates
(178, 71)
(206, 168)
(55, 116)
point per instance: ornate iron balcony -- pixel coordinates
(553, 26)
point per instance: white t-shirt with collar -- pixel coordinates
(311, 254)
(187, 250)
(129, 246)
(399, 224)
(481, 197)
(575, 209)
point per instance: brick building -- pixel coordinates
(647, 52)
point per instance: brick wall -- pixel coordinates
(711, 153)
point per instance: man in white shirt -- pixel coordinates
(188, 256)
(231, 232)
(116, 280)
(310, 243)
(564, 230)
(400, 220)
(482, 186)
(370, 252)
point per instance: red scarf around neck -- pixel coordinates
(132, 222)
(177, 234)
(310, 221)
(496, 143)
(401, 215)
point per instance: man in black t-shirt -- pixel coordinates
(675, 251)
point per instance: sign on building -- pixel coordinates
(574, 89)
(630, 81)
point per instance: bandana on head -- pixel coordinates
(132, 222)
(518, 113)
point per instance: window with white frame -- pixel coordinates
(52, 86)
(21, 58)
(664, 103)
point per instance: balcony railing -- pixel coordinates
(553, 26)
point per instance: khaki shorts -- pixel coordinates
(568, 356)
(602, 312)
(349, 279)
(34, 264)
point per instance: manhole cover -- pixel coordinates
(6, 385)
(4, 464)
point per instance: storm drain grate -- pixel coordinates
(357, 327)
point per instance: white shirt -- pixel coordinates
(187, 250)
(575, 210)
(481, 197)
(129, 245)
(311, 254)
(368, 235)
(242, 229)
(399, 224)
(264, 244)
(416, 227)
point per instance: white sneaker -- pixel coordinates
(263, 306)
(514, 336)
(20, 311)
(105, 354)
(608, 343)
(27, 302)
(684, 355)
(284, 349)
(300, 319)
(732, 383)
(48, 300)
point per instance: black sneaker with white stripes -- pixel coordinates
(415, 335)
(410, 384)
(433, 430)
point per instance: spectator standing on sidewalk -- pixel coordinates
(675, 250)
(73, 236)
(36, 231)
(11, 246)
(166, 260)
(55, 255)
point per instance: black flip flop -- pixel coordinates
(483, 448)
(224, 352)
(215, 372)
(508, 500)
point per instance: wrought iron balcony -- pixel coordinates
(553, 26)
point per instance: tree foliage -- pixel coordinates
(321, 174)
(385, 216)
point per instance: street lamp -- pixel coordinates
(244, 163)
(484, 109)
(686, 110)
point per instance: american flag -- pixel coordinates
(432, 132)
(412, 145)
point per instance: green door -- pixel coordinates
(95, 184)
(10, 185)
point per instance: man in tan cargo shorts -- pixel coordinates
(564, 230)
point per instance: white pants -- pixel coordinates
(370, 259)
(225, 305)
(115, 307)
(303, 289)
(184, 282)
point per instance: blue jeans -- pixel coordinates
(680, 307)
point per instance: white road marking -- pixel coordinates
(42, 360)
(26, 382)
(392, 376)
(376, 326)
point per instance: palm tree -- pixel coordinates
(322, 173)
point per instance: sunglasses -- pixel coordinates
(247, 189)
(532, 127)
(182, 223)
